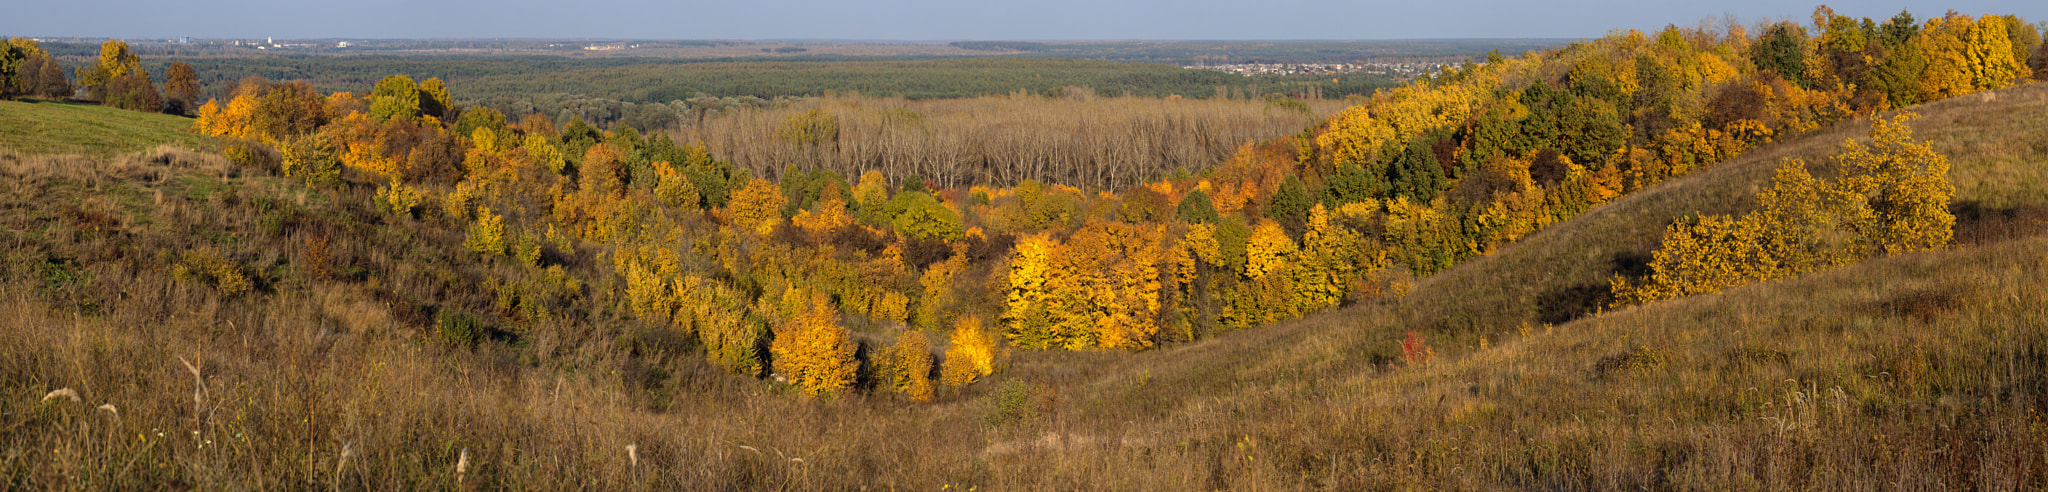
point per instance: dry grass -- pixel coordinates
(1922, 371)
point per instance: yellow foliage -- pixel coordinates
(1268, 249)
(971, 355)
(487, 234)
(910, 366)
(1397, 115)
(1965, 56)
(673, 188)
(398, 198)
(754, 206)
(1893, 198)
(814, 352)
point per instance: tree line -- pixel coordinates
(115, 78)
(1074, 138)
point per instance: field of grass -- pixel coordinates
(1921, 371)
(39, 127)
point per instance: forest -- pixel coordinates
(1070, 253)
(850, 246)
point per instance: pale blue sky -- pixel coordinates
(915, 19)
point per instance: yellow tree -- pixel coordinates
(1965, 56)
(755, 207)
(1893, 198)
(1268, 249)
(1326, 262)
(971, 355)
(1906, 185)
(672, 187)
(1023, 304)
(814, 352)
(434, 99)
(910, 366)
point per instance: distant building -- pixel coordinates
(343, 44)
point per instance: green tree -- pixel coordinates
(1782, 51)
(1898, 74)
(923, 217)
(1414, 172)
(132, 91)
(1290, 202)
(1196, 208)
(395, 97)
(433, 99)
(1351, 184)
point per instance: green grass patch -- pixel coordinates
(36, 127)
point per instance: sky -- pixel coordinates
(920, 20)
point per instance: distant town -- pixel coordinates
(1251, 69)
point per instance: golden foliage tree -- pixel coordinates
(755, 207)
(910, 366)
(814, 352)
(487, 234)
(1965, 56)
(971, 354)
(1893, 198)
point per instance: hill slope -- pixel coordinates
(1911, 370)
(49, 127)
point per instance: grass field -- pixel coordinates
(38, 127)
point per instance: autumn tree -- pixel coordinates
(51, 83)
(1893, 198)
(909, 364)
(814, 352)
(395, 97)
(1966, 56)
(756, 207)
(181, 88)
(20, 66)
(115, 60)
(970, 354)
(434, 99)
(920, 216)
(487, 234)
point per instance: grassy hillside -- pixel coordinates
(240, 328)
(47, 127)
